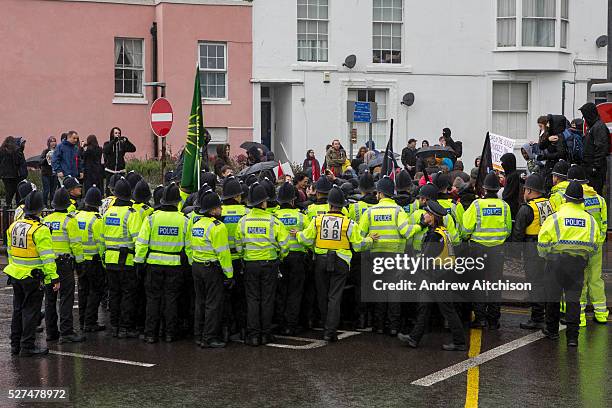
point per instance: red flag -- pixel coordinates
(280, 171)
(316, 172)
(392, 175)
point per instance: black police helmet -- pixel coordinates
(435, 208)
(366, 183)
(403, 182)
(33, 203)
(93, 197)
(442, 181)
(209, 200)
(428, 191)
(535, 182)
(23, 189)
(142, 192)
(491, 182)
(347, 188)
(171, 195)
(574, 192)
(257, 194)
(386, 186)
(269, 186)
(210, 179)
(112, 181)
(336, 197)
(323, 185)
(61, 199)
(157, 195)
(231, 188)
(122, 189)
(560, 169)
(286, 193)
(133, 178)
(71, 183)
(577, 173)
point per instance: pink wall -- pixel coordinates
(57, 68)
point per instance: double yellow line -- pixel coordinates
(473, 374)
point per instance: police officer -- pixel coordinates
(322, 187)
(91, 273)
(529, 220)
(567, 239)
(31, 263)
(160, 243)
(121, 227)
(487, 223)
(23, 189)
(75, 189)
(141, 197)
(157, 195)
(456, 210)
(404, 185)
(291, 282)
(208, 250)
(68, 249)
(368, 198)
(263, 241)
(560, 183)
(133, 178)
(272, 203)
(333, 235)
(391, 222)
(110, 199)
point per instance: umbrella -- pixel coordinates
(438, 151)
(248, 145)
(378, 160)
(34, 161)
(257, 167)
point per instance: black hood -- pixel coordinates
(403, 199)
(508, 162)
(589, 112)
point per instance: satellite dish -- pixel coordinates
(350, 61)
(602, 41)
(408, 99)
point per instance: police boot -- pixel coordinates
(406, 338)
(95, 328)
(225, 334)
(478, 324)
(601, 317)
(361, 322)
(550, 335)
(72, 338)
(572, 342)
(268, 338)
(214, 343)
(531, 325)
(33, 352)
(253, 341)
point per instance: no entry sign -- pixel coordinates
(161, 117)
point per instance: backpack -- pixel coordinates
(574, 144)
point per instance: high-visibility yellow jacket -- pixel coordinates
(90, 225)
(293, 218)
(595, 205)
(65, 234)
(73, 205)
(184, 196)
(321, 208)
(334, 231)
(456, 211)
(449, 228)
(207, 241)
(29, 248)
(19, 214)
(357, 209)
(569, 231)
(488, 221)
(230, 215)
(161, 239)
(121, 225)
(107, 203)
(260, 236)
(143, 209)
(556, 194)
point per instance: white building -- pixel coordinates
(473, 65)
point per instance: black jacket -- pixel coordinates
(524, 217)
(92, 160)
(552, 152)
(10, 163)
(114, 152)
(596, 140)
(45, 168)
(512, 188)
(409, 157)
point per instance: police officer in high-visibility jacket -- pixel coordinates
(141, 197)
(529, 220)
(75, 190)
(232, 211)
(560, 183)
(333, 235)
(110, 199)
(68, 248)
(270, 190)
(454, 209)
(160, 243)
(567, 239)
(594, 287)
(368, 190)
(391, 222)
(488, 223)
(404, 198)
(31, 264)
(23, 189)
(121, 227)
(322, 187)
(208, 250)
(91, 273)
(263, 241)
(292, 268)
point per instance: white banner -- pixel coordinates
(500, 145)
(287, 171)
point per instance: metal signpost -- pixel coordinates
(361, 112)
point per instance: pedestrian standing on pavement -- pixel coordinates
(65, 160)
(160, 243)
(208, 251)
(567, 239)
(114, 151)
(49, 179)
(529, 219)
(68, 249)
(596, 147)
(263, 242)
(92, 277)
(31, 266)
(11, 160)
(93, 171)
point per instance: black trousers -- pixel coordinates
(65, 270)
(290, 289)
(27, 301)
(122, 285)
(10, 190)
(163, 286)
(209, 297)
(493, 271)
(359, 307)
(535, 271)
(260, 279)
(309, 312)
(330, 286)
(234, 302)
(565, 275)
(598, 179)
(91, 284)
(140, 301)
(448, 311)
(186, 302)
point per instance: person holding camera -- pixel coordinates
(114, 153)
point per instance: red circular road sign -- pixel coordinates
(161, 117)
(605, 114)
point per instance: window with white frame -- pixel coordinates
(379, 128)
(312, 30)
(532, 23)
(387, 20)
(129, 66)
(213, 70)
(510, 109)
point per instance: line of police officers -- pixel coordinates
(223, 270)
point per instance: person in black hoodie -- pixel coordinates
(11, 160)
(114, 153)
(596, 147)
(552, 146)
(92, 160)
(512, 189)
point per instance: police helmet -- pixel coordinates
(336, 197)
(142, 192)
(33, 203)
(286, 193)
(122, 189)
(61, 199)
(171, 195)
(93, 197)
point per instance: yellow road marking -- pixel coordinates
(473, 374)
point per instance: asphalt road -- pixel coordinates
(511, 368)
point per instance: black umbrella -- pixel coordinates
(437, 151)
(34, 161)
(378, 160)
(258, 167)
(248, 145)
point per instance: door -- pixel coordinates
(266, 124)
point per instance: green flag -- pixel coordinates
(195, 141)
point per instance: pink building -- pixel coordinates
(81, 64)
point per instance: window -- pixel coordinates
(379, 128)
(312, 30)
(213, 70)
(129, 66)
(387, 31)
(542, 23)
(511, 109)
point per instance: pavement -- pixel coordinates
(507, 368)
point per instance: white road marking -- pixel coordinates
(312, 343)
(465, 365)
(110, 360)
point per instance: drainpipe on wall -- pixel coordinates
(154, 79)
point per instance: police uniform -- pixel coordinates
(208, 250)
(31, 263)
(333, 235)
(23, 189)
(71, 184)
(556, 192)
(160, 244)
(455, 210)
(68, 248)
(121, 225)
(567, 239)
(91, 273)
(263, 242)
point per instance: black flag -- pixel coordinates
(389, 164)
(486, 164)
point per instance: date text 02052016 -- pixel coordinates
(38, 394)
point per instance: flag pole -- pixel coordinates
(198, 133)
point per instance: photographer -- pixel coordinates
(114, 153)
